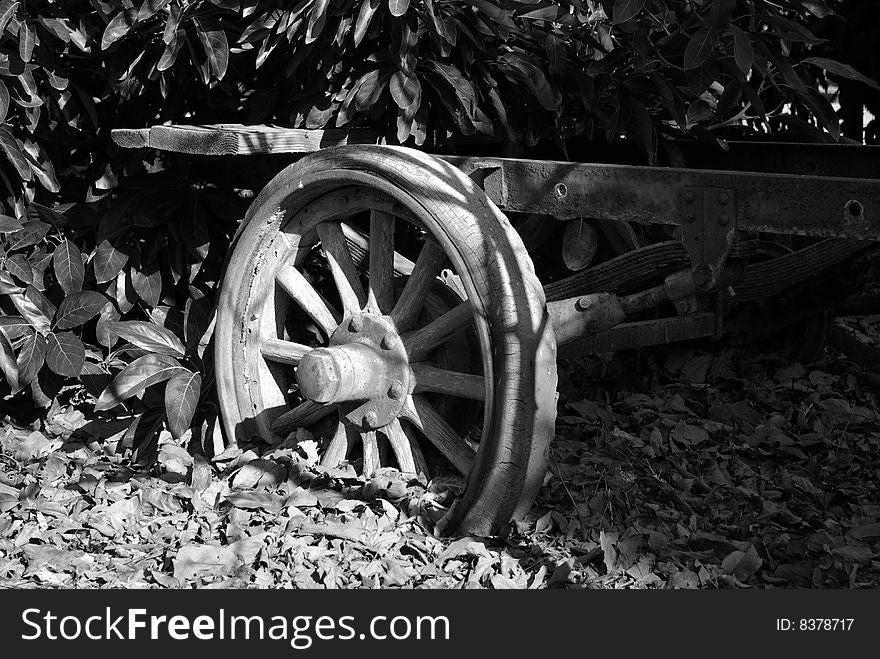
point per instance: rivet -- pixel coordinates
(388, 341)
(689, 196)
(371, 419)
(395, 391)
(724, 219)
(691, 216)
(723, 198)
(356, 324)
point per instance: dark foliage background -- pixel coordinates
(111, 258)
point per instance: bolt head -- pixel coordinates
(356, 324)
(724, 219)
(703, 275)
(723, 198)
(691, 216)
(584, 303)
(689, 196)
(371, 419)
(389, 341)
(395, 391)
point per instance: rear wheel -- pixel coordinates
(377, 294)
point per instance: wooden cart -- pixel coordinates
(380, 297)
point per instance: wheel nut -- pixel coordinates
(356, 324)
(388, 341)
(371, 419)
(395, 391)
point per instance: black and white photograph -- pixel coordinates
(437, 295)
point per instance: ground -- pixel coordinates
(693, 466)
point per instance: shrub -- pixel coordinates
(111, 258)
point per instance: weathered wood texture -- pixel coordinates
(237, 139)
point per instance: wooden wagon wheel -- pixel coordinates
(376, 359)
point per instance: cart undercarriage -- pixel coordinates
(385, 301)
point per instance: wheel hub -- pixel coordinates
(364, 369)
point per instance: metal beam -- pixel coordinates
(777, 203)
(627, 336)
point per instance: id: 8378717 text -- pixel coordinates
(814, 624)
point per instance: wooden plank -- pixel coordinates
(238, 139)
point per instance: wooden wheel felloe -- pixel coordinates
(333, 309)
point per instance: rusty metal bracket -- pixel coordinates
(708, 229)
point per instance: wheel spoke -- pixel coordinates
(351, 292)
(403, 447)
(284, 352)
(359, 246)
(452, 383)
(382, 260)
(304, 294)
(304, 414)
(440, 433)
(418, 457)
(371, 453)
(431, 260)
(422, 341)
(339, 446)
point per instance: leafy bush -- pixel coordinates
(111, 258)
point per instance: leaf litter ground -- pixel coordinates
(680, 467)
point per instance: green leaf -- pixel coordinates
(147, 283)
(181, 398)
(34, 306)
(624, 10)
(821, 109)
(369, 87)
(7, 11)
(404, 89)
(365, 15)
(700, 47)
(137, 376)
(12, 148)
(818, 8)
(65, 354)
(31, 357)
(169, 56)
(170, 30)
(216, 48)
(68, 264)
(843, 70)
(9, 224)
(743, 52)
(26, 39)
(4, 101)
(79, 308)
(150, 8)
(398, 7)
(148, 336)
(317, 18)
(8, 364)
(15, 326)
(108, 261)
(118, 27)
